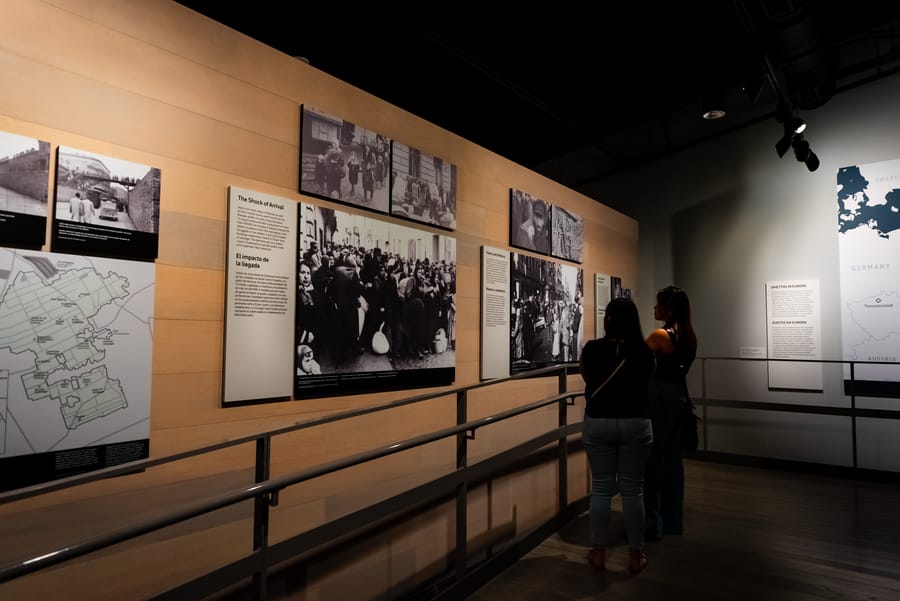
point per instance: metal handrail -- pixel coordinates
(853, 412)
(142, 464)
(266, 491)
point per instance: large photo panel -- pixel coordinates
(376, 305)
(546, 313)
(24, 181)
(343, 162)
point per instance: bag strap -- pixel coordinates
(606, 381)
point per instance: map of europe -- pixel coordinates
(856, 209)
(868, 198)
(75, 348)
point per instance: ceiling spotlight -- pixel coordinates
(812, 161)
(782, 145)
(801, 149)
(713, 106)
(796, 125)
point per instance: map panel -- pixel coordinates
(76, 339)
(869, 246)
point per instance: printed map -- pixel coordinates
(75, 351)
(869, 245)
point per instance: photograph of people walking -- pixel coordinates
(343, 162)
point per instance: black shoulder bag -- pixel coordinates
(608, 378)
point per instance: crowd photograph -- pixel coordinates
(546, 313)
(372, 296)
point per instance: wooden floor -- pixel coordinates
(749, 534)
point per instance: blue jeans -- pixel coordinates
(664, 480)
(617, 451)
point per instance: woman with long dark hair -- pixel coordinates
(616, 431)
(675, 347)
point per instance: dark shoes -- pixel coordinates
(597, 558)
(637, 561)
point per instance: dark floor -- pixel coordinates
(749, 534)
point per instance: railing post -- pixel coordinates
(462, 490)
(563, 455)
(261, 517)
(853, 411)
(703, 393)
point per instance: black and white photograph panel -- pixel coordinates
(529, 225)
(568, 235)
(105, 206)
(343, 162)
(546, 313)
(423, 187)
(24, 181)
(376, 304)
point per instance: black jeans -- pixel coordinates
(664, 479)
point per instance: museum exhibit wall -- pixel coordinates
(150, 81)
(735, 216)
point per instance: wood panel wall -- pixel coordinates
(153, 82)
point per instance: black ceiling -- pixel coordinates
(578, 91)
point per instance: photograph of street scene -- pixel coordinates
(423, 187)
(376, 304)
(105, 206)
(568, 235)
(546, 313)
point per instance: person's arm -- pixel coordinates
(659, 342)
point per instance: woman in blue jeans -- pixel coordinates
(617, 432)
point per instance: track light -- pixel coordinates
(782, 145)
(713, 105)
(796, 125)
(801, 148)
(812, 161)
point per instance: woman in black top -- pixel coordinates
(675, 347)
(617, 432)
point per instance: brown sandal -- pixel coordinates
(637, 561)
(597, 558)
